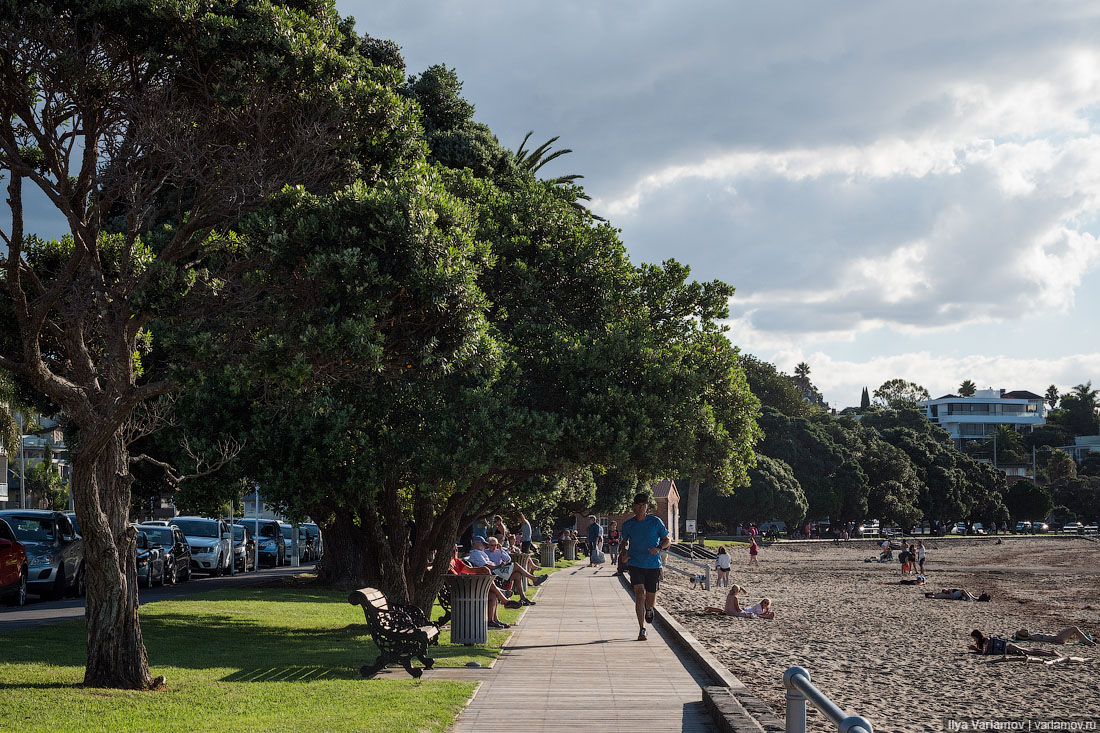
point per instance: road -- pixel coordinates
(37, 613)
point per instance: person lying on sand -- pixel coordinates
(919, 580)
(957, 594)
(992, 645)
(1067, 634)
(762, 609)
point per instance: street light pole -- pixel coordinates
(22, 467)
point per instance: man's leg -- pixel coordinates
(640, 597)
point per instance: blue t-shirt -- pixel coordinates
(643, 535)
(595, 531)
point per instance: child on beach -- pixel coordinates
(732, 607)
(762, 609)
(754, 550)
(722, 565)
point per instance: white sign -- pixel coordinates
(690, 525)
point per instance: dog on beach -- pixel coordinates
(699, 581)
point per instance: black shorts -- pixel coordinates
(527, 546)
(649, 577)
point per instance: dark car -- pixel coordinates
(150, 561)
(13, 567)
(244, 549)
(177, 552)
(315, 547)
(270, 537)
(55, 552)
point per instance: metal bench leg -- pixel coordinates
(426, 660)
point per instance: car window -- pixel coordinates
(5, 531)
(238, 533)
(76, 524)
(32, 529)
(198, 528)
(163, 537)
(287, 530)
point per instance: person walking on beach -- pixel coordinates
(754, 550)
(920, 556)
(722, 565)
(643, 538)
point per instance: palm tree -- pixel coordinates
(1052, 396)
(532, 160)
(1086, 394)
(967, 388)
(802, 376)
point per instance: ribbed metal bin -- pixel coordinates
(546, 555)
(568, 549)
(469, 608)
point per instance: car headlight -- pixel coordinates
(46, 558)
(202, 549)
(142, 563)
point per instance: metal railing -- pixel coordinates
(796, 680)
(666, 556)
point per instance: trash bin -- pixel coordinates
(546, 555)
(568, 549)
(469, 607)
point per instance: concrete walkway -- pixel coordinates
(574, 663)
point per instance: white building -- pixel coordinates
(977, 417)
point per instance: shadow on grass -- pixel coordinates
(246, 647)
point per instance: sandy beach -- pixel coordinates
(895, 657)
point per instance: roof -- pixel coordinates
(947, 397)
(1022, 394)
(665, 489)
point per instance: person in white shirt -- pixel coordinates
(722, 565)
(500, 562)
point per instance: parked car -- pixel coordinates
(1023, 527)
(244, 549)
(209, 541)
(177, 553)
(55, 552)
(1072, 527)
(1039, 527)
(13, 567)
(1089, 528)
(960, 528)
(315, 548)
(288, 541)
(150, 561)
(270, 537)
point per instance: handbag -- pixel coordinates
(599, 558)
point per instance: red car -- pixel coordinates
(13, 567)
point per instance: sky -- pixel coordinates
(895, 189)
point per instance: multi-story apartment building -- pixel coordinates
(977, 417)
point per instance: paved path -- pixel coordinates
(573, 663)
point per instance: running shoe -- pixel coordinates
(496, 625)
(649, 615)
(541, 579)
(513, 604)
(642, 636)
(526, 602)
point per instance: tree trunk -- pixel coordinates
(101, 489)
(346, 550)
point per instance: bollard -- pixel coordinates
(796, 701)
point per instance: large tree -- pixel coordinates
(967, 388)
(147, 126)
(898, 394)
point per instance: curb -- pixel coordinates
(732, 705)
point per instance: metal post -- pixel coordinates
(796, 701)
(256, 526)
(232, 550)
(22, 467)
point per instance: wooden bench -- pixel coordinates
(400, 631)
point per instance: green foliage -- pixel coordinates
(43, 480)
(1060, 465)
(967, 388)
(1081, 496)
(773, 388)
(898, 394)
(1052, 396)
(1027, 501)
(1077, 412)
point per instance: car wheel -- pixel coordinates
(173, 575)
(81, 581)
(58, 590)
(20, 597)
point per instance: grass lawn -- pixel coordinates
(265, 658)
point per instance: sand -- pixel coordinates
(895, 657)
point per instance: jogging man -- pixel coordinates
(643, 538)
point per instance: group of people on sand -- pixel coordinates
(762, 609)
(911, 556)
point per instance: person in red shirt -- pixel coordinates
(496, 596)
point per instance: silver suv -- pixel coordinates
(209, 542)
